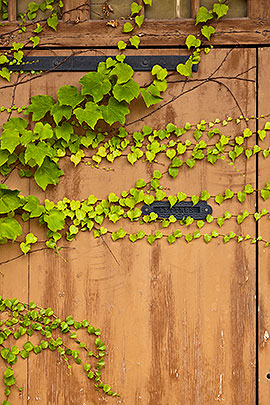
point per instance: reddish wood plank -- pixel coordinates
(92, 34)
(264, 255)
(12, 10)
(75, 10)
(179, 322)
(259, 9)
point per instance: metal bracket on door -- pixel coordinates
(90, 63)
(180, 210)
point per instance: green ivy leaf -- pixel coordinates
(123, 71)
(207, 31)
(241, 196)
(185, 69)
(121, 45)
(10, 137)
(220, 221)
(171, 239)
(53, 21)
(135, 8)
(128, 27)
(249, 189)
(69, 95)
(220, 9)
(28, 346)
(190, 163)
(59, 111)
(181, 196)
(149, 98)
(192, 41)
(96, 85)
(195, 199)
(247, 133)
(30, 238)
(170, 153)
(139, 20)
(33, 206)
(35, 40)
(203, 15)
(160, 195)
(228, 194)
(10, 228)
(126, 91)
(120, 234)
(149, 199)
(262, 134)
(39, 106)
(55, 220)
(5, 73)
(200, 224)
(219, 199)
(248, 153)
(209, 218)
(196, 235)
(172, 199)
(265, 194)
(140, 183)
(214, 233)
(115, 111)
(173, 171)
(90, 114)
(160, 72)
(207, 238)
(9, 200)
(48, 173)
(188, 237)
(151, 239)
(135, 41)
(205, 195)
(64, 131)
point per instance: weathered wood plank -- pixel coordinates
(80, 10)
(93, 34)
(12, 10)
(179, 321)
(264, 272)
(14, 266)
(259, 9)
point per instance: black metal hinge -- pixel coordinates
(180, 210)
(90, 63)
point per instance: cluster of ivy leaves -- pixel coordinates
(68, 126)
(14, 56)
(54, 334)
(68, 217)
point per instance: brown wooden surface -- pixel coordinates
(93, 34)
(264, 272)
(179, 320)
(12, 10)
(81, 14)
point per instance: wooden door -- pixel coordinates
(179, 320)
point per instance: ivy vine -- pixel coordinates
(88, 123)
(21, 319)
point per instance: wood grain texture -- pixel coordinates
(264, 273)
(14, 275)
(179, 320)
(12, 10)
(93, 34)
(259, 9)
(74, 13)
